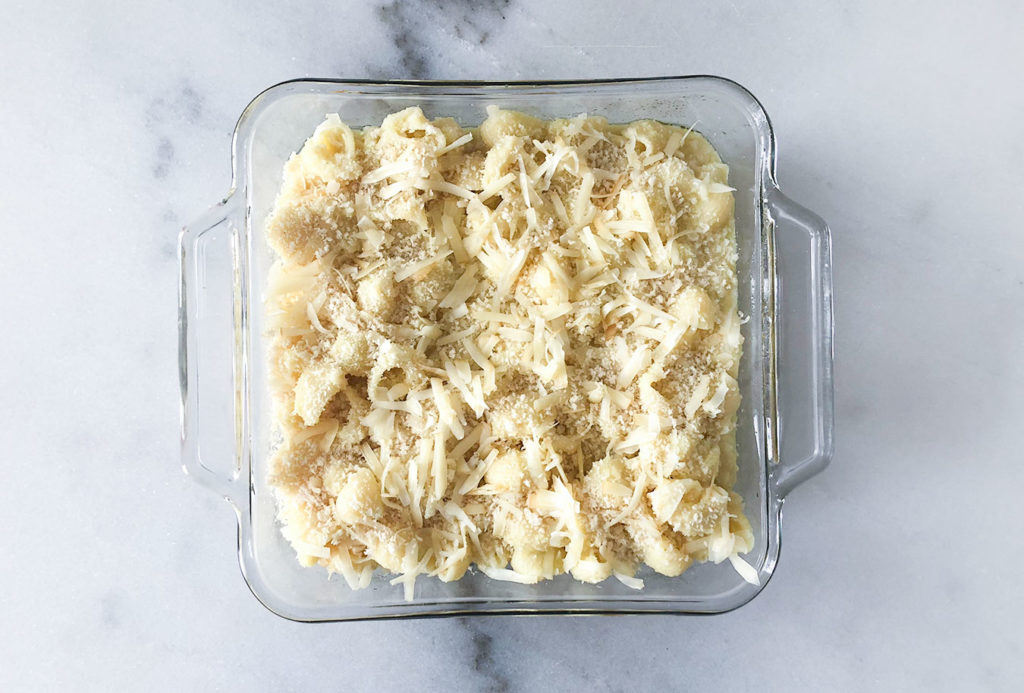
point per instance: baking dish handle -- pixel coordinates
(206, 307)
(804, 356)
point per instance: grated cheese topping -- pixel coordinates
(514, 347)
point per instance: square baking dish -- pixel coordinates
(784, 426)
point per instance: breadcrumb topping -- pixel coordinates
(514, 347)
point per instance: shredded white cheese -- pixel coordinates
(514, 348)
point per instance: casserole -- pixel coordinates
(784, 425)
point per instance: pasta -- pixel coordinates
(514, 347)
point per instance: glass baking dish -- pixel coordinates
(785, 424)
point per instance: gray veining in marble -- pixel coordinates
(898, 123)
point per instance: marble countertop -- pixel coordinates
(897, 123)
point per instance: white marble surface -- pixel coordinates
(899, 124)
